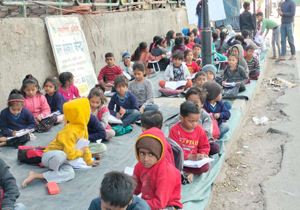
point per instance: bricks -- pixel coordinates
(13, 8)
(39, 11)
(3, 9)
(14, 14)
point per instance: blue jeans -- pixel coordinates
(224, 128)
(287, 30)
(151, 107)
(19, 206)
(254, 73)
(130, 118)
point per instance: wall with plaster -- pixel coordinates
(25, 46)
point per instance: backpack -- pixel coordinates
(171, 92)
(30, 155)
(216, 130)
(120, 130)
(46, 124)
(177, 153)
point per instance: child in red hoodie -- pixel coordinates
(191, 137)
(157, 180)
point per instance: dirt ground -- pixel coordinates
(259, 153)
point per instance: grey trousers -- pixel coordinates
(275, 40)
(59, 172)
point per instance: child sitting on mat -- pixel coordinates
(235, 73)
(9, 191)
(210, 71)
(117, 183)
(192, 66)
(252, 62)
(109, 72)
(13, 119)
(99, 109)
(37, 104)
(157, 180)
(214, 104)
(96, 132)
(54, 98)
(67, 88)
(154, 119)
(123, 104)
(177, 71)
(191, 137)
(199, 79)
(142, 88)
(77, 114)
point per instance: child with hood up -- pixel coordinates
(157, 180)
(77, 113)
(239, 51)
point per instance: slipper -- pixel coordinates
(274, 57)
(280, 59)
(292, 58)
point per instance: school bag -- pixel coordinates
(120, 130)
(177, 153)
(166, 91)
(30, 154)
(46, 124)
(216, 130)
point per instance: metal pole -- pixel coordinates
(206, 36)
(254, 17)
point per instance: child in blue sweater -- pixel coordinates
(54, 98)
(15, 118)
(127, 108)
(213, 104)
(96, 132)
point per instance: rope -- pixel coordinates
(85, 12)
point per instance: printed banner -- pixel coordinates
(71, 51)
(215, 7)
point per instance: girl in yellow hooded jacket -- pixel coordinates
(77, 113)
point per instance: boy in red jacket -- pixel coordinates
(157, 180)
(191, 137)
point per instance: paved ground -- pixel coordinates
(261, 171)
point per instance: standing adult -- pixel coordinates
(287, 12)
(270, 24)
(246, 19)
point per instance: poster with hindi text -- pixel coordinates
(71, 51)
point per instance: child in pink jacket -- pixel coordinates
(37, 104)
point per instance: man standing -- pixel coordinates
(246, 19)
(287, 13)
(270, 24)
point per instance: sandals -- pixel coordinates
(274, 58)
(292, 58)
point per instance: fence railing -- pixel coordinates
(109, 5)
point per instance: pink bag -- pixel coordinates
(216, 130)
(171, 92)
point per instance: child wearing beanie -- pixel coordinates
(126, 65)
(210, 71)
(157, 180)
(214, 104)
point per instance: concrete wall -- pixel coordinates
(25, 47)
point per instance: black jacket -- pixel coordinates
(9, 186)
(246, 21)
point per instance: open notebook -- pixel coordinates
(197, 164)
(174, 85)
(20, 133)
